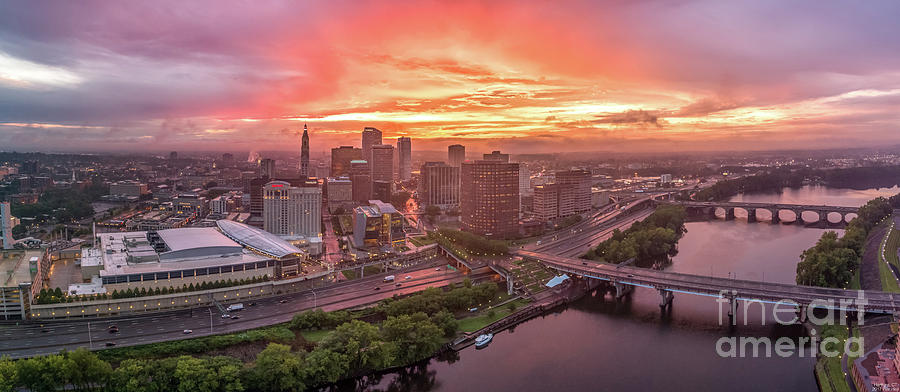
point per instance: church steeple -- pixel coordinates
(304, 153)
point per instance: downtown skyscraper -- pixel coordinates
(370, 137)
(404, 154)
(304, 153)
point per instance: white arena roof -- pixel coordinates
(256, 239)
(196, 242)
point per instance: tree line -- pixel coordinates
(651, 241)
(833, 261)
(58, 296)
(411, 330)
(473, 244)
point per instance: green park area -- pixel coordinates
(531, 275)
(314, 349)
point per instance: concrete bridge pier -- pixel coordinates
(622, 289)
(799, 215)
(729, 214)
(509, 284)
(801, 316)
(775, 218)
(362, 272)
(665, 299)
(751, 215)
(732, 309)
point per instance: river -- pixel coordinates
(599, 344)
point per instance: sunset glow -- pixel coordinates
(521, 76)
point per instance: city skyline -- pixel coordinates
(518, 77)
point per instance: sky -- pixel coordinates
(520, 76)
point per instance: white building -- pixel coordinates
(219, 205)
(665, 178)
(6, 225)
(292, 211)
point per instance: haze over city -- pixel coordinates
(504, 196)
(520, 76)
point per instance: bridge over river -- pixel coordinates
(668, 283)
(709, 208)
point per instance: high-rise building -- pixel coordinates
(381, 190)
(292, 211)
(267, 168)
(524, 180)
(404, 154)
(545, 202)
(496, 156)
(304, 153)
(173, 155)
(361, 180)
(370, 137)
(341, 158)
(340, 193)
(489, 198)
(569, 195)
(439, 185)
(456, 154)
(574, 191)
(6, 225)
(382, 163)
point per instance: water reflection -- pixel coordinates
(601, 344)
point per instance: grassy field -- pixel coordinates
(889, 250)
(315, 336)
(828, 370)
(472, 324)
(891, 246)
(421, 241)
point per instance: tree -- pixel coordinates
(278, 369)
(9, 375)
(194, 375)
(360, 343)
(446, 322)
(325, 367)
(86, 371)
(414, 337)
(43, 374)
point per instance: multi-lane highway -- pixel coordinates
(50, 337)
(577, 239)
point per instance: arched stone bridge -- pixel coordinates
(708, 208)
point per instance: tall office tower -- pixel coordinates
(546, 201)
(370, 137)
(382, 163)
(293, 211)
(404, 153)
(381, 190)
(341, 158)
(6, 225)
(304, 153)
(361, 181)
(524, 180)
(489, 198)
(456, 154)
(267, 168)
(173, 155)
(496, 156)
(574, 191)
(439, 185)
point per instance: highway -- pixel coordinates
(577, 239)
(31, 339)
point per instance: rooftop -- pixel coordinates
(256, 239)
(15, 266)
(196, 242)
(385, 208)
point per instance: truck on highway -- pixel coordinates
(234, 307)
(389, 278)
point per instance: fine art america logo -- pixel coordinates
(788, 312)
